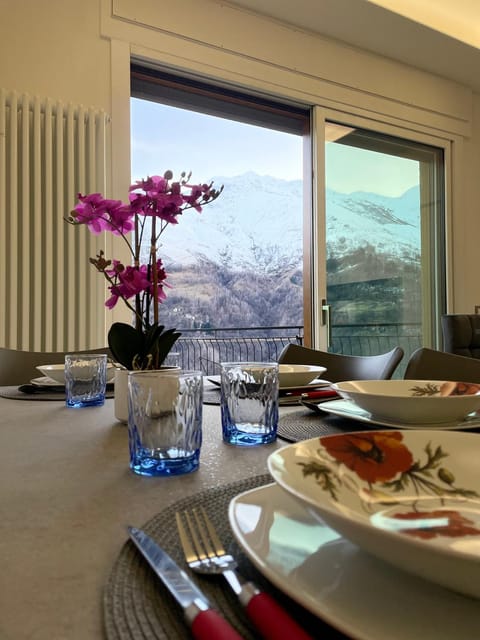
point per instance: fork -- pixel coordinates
(205, 554)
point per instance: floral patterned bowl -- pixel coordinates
(413, 401)
(410, 497)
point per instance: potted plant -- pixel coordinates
(141, 285)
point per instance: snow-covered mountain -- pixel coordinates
(267, 211)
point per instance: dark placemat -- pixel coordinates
(14, 393)
(211, 396)
(304, 424)
(136, 604)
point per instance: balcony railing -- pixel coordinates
(205, 349)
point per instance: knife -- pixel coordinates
(205, 622)
(317, 393)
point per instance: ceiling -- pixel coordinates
(439, 36)
(459, 19)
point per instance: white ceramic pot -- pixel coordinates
(121, 394)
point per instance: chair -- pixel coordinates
(461, 334)
(429, 364)
(342, 367)
(18, 367)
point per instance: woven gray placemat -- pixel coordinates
(136, 604)
(211, 395)
(13, 393)
(304, 424)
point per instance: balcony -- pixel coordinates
(205, 349)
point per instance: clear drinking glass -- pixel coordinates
(165, 421)
(85, 379)
(249, 402)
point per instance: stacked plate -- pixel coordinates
(297, 379)
(377, 532)
(291, 376)
(410, 404)
(54, 375)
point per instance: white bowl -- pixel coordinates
(413, 401)
(56, 372)
(298, 375)
(410, 497)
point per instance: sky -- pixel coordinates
(181, 140)
(165, 137)
(350, 169)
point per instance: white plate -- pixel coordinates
(348, 409)
(45, 381)
(56, 372)
(351, 590)
(409, 497)
(314, 384)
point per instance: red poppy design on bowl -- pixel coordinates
(375, 457)
(456, 525)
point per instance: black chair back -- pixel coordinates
(429, 364)
(461, 334)
(341, 367)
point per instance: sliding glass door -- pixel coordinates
(384, 241)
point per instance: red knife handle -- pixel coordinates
(272, 621)
(320, 394)
(209, 625)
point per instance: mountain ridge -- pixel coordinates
(228, 229)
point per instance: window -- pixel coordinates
(239, 264)
(249, 259)
(384, 239)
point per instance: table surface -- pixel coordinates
(67, 494)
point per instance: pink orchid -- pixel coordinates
(154, 198)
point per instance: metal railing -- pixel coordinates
(370, 339)
(205, 349)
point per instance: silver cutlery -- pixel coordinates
(205, 554)
(205, 622)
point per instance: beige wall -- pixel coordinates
(79, 52)
(54, 48)
(466, 222)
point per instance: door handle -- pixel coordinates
(326, 321)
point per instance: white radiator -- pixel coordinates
(52, 298)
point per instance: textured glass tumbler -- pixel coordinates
(85, 379)
(165, 421)
(249, 402)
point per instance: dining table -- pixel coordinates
(68, 495)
